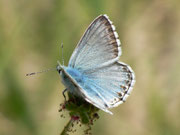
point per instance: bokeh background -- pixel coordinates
(31, 33)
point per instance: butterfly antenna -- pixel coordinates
(62, 54)
(34, 73)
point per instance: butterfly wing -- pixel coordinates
(114, 83)
(106, 87)
(98, 47)
(106, 82)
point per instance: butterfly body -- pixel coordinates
(94, 72)
(67, 73)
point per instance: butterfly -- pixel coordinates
(94, 72)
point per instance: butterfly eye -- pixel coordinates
(58, 69)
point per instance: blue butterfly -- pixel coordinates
(94, 72)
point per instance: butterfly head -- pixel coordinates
(59, 67)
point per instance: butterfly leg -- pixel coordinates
(64, 93)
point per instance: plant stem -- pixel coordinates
(67, 127)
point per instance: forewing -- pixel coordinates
(98, 47)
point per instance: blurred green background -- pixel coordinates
(30, 36)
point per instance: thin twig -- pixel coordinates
(67, 127)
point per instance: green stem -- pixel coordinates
(67, 127)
